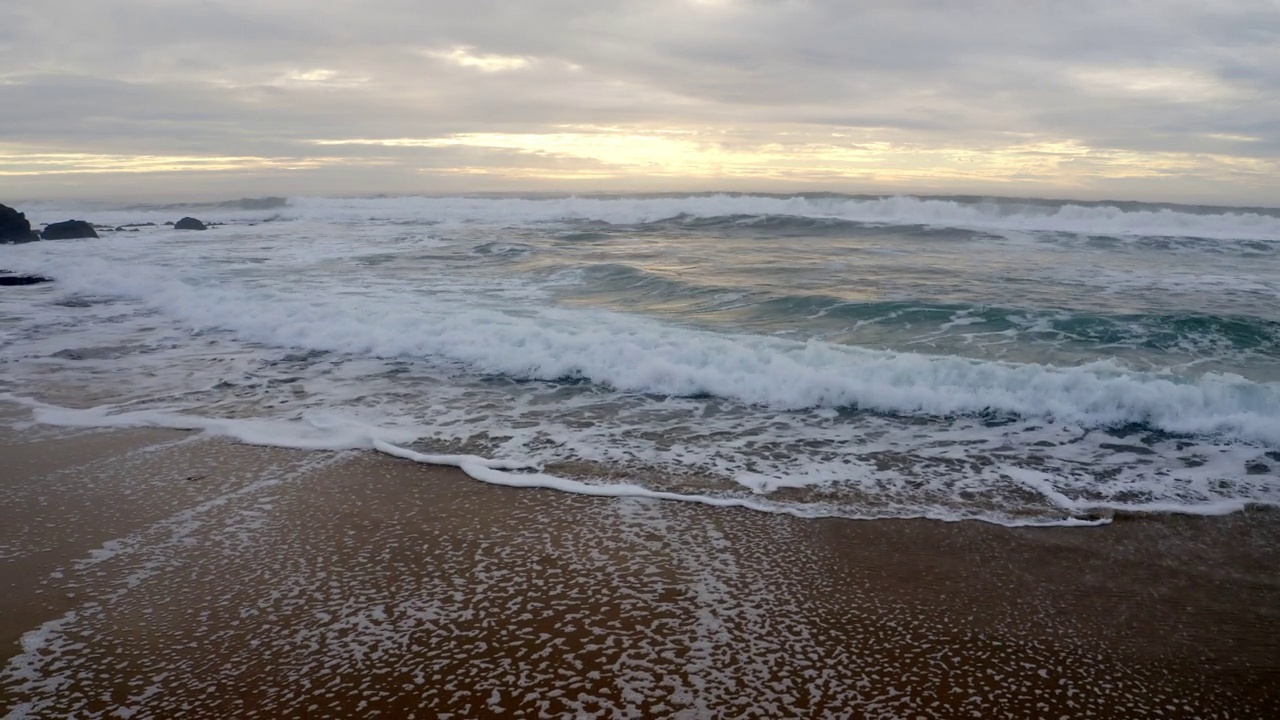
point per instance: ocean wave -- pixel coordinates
(640, 355)
(1164, 332)
(765, 212)
(811, 212)
(1153, 331)
(637, 282)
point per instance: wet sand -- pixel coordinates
(157, 574)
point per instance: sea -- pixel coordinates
(1016, 361)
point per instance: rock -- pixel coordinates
(189, 223)
(14, 226)
(23, 280)
(1135, 449)
(100, 352)
(69, 230)
(170, 223)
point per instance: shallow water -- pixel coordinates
(1022, 362)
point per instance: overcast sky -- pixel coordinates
(1157, 100)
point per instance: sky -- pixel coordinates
(1159, 100)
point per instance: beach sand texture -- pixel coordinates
(161, 574)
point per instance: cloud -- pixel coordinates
(923, 95)
(468, 58)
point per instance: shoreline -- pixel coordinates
(155, 570)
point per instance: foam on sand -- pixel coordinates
(319, 433)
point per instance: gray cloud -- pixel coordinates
(266, 78)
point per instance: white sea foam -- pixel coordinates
(637, 354)
(898, 210)
(320, 433)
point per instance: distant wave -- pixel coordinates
(767, 212)
(262, 203)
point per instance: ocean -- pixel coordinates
(1023, 362)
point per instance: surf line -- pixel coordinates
(330, 435)
(499, 472)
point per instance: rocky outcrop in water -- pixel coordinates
(9, 279)
(69, 230)
(189, 223)
(14, 226)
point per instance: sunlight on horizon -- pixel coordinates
(794, 159)
(675, 153)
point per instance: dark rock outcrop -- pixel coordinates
(14, 226)
(69, 230)
(7, 279)
(189, 223)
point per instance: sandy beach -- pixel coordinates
(158, 574)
